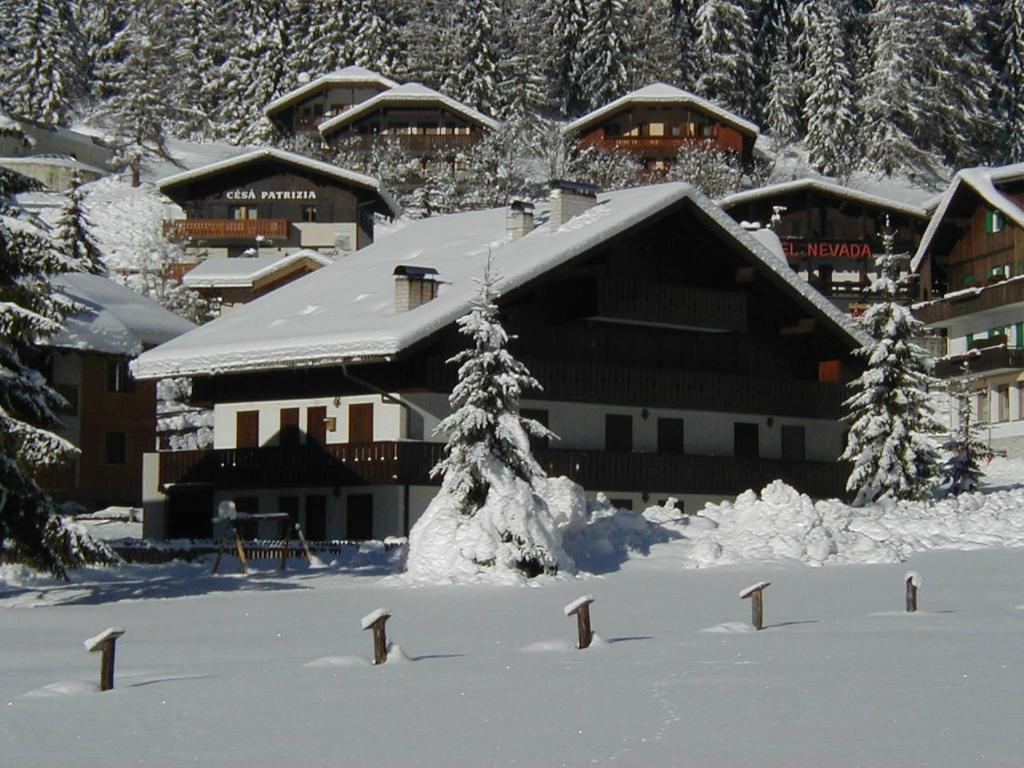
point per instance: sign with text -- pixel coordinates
(821, 249)
(270, 194)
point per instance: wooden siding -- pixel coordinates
(977, 252)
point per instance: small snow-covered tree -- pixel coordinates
(964, 448)
(485, 424)
(713, 172)
(73, 236)
(890, 413)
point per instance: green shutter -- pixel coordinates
(988, 222)
(970, 339)
(1019, 335)
(967, 279)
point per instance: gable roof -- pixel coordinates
(662, 93)
(982, 181)
(347, 76)
(345, 311)
(404, 94)
(114, 319)
(244, 272)
(288, 158)
(827, 187)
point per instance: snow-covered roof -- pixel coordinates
(224, 272)
(824, 186)
(346, 76)
(405, 94)
(983, 182)
(115, 319)
(288, 158)
(346, 311)
(63, 161)
(662, 93)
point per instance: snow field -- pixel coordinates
(280, 671)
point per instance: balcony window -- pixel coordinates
(309, 213)
(676, 131)
(119, 378)
(1003, 395)
(656, 130)
(243, 212)
(994, 222)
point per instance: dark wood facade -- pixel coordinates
(304, 113)
(419, 128)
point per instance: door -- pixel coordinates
(247, 429)
(618, 432)
(359, 517)
(289, 434)
(745, 440)
(316, 424)
(316, 518)
(670, 435)
(360, 423)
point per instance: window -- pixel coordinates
(119, 378)
(676, 131)
(656, 130)
(115, 448)
(829, 371)
(994, 222)
(618, 432)
(247, 429)
(983, 415)
(612, 129)
(671, 436)
(970, 340)
(794, 442)
(309, 213)
(242, 212)
(1003, 403)
(745, 440)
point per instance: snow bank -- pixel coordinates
(781, 524)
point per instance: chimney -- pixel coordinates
(520, 219)
(569, 199)
(414, 286)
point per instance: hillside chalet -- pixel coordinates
(421, 120)
(270, 202)
(971, 267)
(831, 234)
(678, 357)
(302, 110)
(656, 121)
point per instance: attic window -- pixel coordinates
(994, 222)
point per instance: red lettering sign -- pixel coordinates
(818, 249)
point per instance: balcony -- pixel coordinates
(994, 359)
(971, 301)
(664, 144)
(225, 229)
(414, 143)
(400, 463)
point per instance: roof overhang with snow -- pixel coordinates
(387, 203)
(345, 312)
(347, 77)
(968, 186)
(825, 187)
(409, 94)
(661, 94)
(224, 272)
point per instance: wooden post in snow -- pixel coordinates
(241, 553)
(754, 592)
(913, 582)
(305, 546)
(104, 642)
(581, 608)
(376, 620)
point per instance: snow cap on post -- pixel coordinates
(96, 642)
(374, 616)
(745, 593)
(578, 603)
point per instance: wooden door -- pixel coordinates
(316, 518)
(316, 424)
(289, 433)
(360, 423)
(745, 440)
(247, 429)
(359, 517)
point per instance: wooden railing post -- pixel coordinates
(376, 620)
(581, 608)
(913, 582)
(755, 592)
(104, 643)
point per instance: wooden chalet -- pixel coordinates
(303, 109)
(111, 417)
(971, 267)
(678, 357)
(831, 234)
(421, 120)
(656, 121)
(271, 202)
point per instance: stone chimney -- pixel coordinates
(569, 199)
(414, 286)
(519, 221)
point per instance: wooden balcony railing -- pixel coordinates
(987, 360)
(391, 463)
(968, 302)
(725, 141)
(416, 143)
(225, 229)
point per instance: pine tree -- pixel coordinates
(891, 414)
(962, 470)
(782, 110)
(607, 52)
(72, 235)
(829, 110)
(42, 73)
(725, 44)
(377, 41)
(475, 77)
(1011, 79)
(485, 425)
(566, 22)
(713, 172)
(685, 34)
(320, 36)
(772, 25)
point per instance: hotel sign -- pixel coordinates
(270, 194)
(820, 249)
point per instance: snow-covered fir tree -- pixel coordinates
(965, 451)
(566, 23)
(782, 109)
(890, 414)
(829, 109)
(606, 53)
(685, 34)
(1011, 79)
(42, 70)
(377, 41)
(485, 424)
(73, 236)
(725, 44)
(772, 25)
(320, 36)
(476, 73)
(713, 172)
